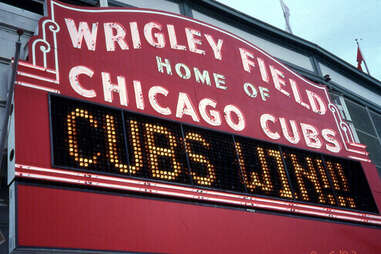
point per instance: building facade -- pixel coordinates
(356, 94)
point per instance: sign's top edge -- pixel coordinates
(52, 3)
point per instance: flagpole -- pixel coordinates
(287, 24)
(286, 15)
(358, 45)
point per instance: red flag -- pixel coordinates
(360, 59)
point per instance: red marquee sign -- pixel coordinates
(181, 69)
(113, 93)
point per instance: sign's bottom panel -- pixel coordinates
(64, 218)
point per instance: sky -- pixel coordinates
(332, 24)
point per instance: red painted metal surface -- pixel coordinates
(76, 219)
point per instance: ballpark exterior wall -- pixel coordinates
(357, 95)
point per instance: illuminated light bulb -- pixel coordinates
(341, 200)
(211, 176)
(113, 150)
(155, 151)
(351, 201)
(72, 138)
(311, 175)
(338, 177)
(331, 199)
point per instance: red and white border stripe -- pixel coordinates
(143, 186)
